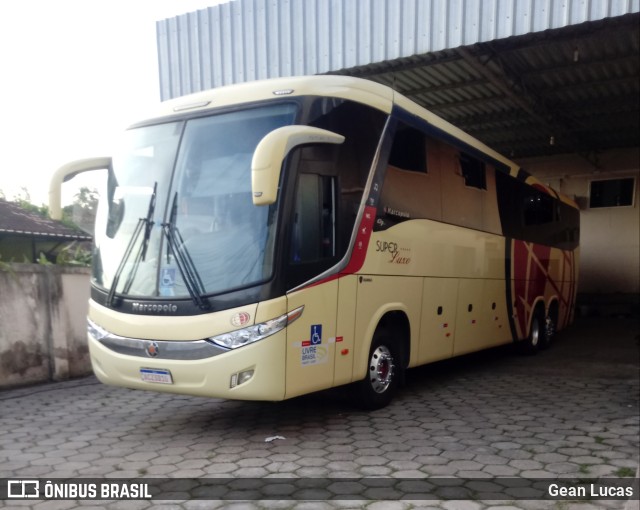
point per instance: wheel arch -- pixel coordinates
(553, 308)
(398, 321)
(537, 306)
(393, 317)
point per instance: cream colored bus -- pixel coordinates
(266, 240)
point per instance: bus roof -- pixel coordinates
(364, 91)
(356, 89)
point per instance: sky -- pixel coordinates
(74, 75)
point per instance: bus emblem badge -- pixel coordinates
(240, 319)
(152, 349)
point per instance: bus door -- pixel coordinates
(311, 339)
(313, 249)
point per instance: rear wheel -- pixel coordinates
(384, 370)
(550, 327)
(537, 336)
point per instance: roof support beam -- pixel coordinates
(480, 121)
(435, 107)
(441, 88)
(374, 71)
(529, 104)
(620, 60)
(588, 85)
(584, 31)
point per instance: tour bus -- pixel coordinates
(270, 239)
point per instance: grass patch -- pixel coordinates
(625, 472)
(583, 469)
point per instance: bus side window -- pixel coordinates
(313, 236)
(408, 151)
(538, 209)
(410, 189)
(473, 171)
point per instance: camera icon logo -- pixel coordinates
(23, 489)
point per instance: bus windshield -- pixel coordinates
(181, 191)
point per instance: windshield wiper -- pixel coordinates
(147, 224)
(188, 271)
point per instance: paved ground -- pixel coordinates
(569, 411)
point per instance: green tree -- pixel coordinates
(23, 199)
(82, 212)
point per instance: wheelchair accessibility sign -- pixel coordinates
(313, 352)
(316, 334)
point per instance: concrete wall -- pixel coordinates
(43, 313)
(609, 237)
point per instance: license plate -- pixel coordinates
(156, 375)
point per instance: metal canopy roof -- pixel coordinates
(569, 90)
(527, 77)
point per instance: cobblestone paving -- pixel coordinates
(570, 411)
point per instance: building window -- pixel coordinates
(611, 193)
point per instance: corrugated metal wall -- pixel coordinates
(246, 40)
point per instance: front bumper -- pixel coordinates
(209, 376)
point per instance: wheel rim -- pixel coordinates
(535, 332)
(381, 369)
(550, 328)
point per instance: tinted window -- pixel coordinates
(531, 215)
(314, 238)
(538, 208)
(328, 184)
(408, 150)
(473, 171)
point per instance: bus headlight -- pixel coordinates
(251, 334)
(95, 332)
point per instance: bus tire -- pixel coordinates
(550, 328)
(534, 341)
(384, 372)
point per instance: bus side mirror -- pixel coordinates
(271, 152)
(66, 172)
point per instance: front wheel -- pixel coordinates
(384, 370)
